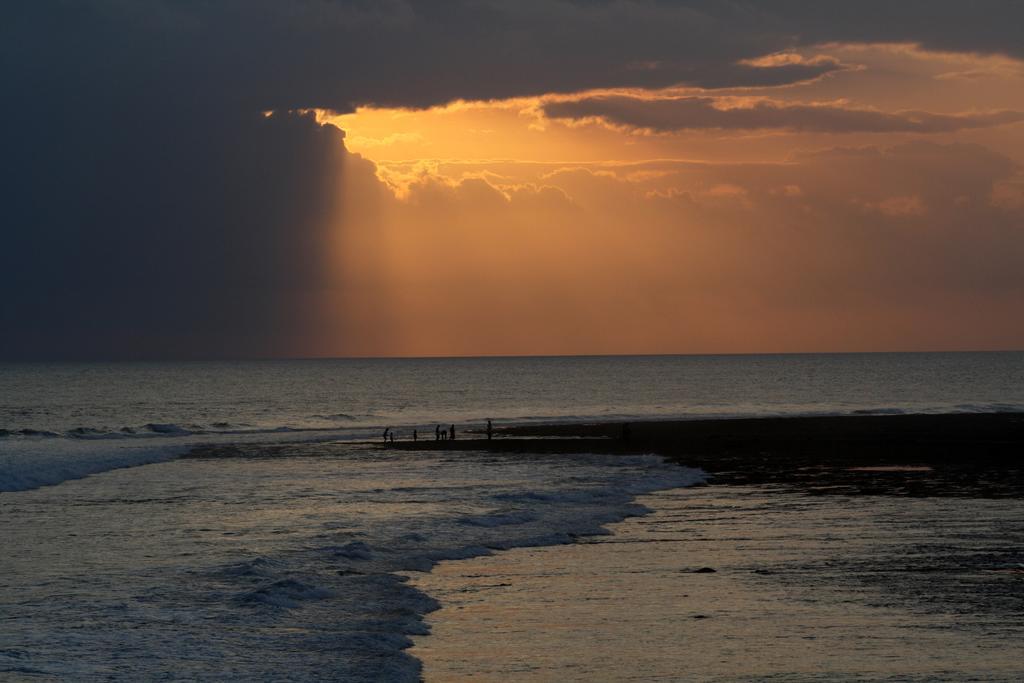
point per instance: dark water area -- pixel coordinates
(98, 398)
(64, 420)
(58, 421)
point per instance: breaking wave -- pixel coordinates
(354, 578)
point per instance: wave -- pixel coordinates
(342, 416)
(360, 586)
(327, 597)
(34, 457)
(154, 429)
(288, 593)
(30, 468)
(29, 463)
(39, 433)
(988, 408)
(168, 429)
(356, 550)
(499, 518)
(360, 427)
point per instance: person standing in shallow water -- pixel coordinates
(387, 430)
(415, 435)
(490, 430)
(437, 433)
(452, 433)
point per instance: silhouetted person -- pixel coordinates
(437, 433)
(415, 435)
(626, 432)
(387, 430)
(392, 437)
(452, 432)
(490, 430)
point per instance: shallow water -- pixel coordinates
(278, 565)
(804, 589)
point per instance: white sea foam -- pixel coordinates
(30, 464)
(28, 461)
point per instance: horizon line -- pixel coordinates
(229, 359)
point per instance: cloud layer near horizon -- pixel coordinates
(151, 209)
(696, 113)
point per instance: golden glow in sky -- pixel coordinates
(878, 207)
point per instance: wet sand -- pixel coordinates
(746, 583)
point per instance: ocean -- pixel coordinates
(59, 421)
(287, 555)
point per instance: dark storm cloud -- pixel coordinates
(149, 209)
(986, 26)
(201, 238)
(695, 113)
(336, 53)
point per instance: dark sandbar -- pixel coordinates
(971, 455)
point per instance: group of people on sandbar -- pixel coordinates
(440, 433)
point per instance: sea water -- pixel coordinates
(285, 557)
(280, 563)
(60, 421)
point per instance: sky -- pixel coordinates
(324, 178)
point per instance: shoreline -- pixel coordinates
(869, 553)
(740, 583)
(953, 454)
